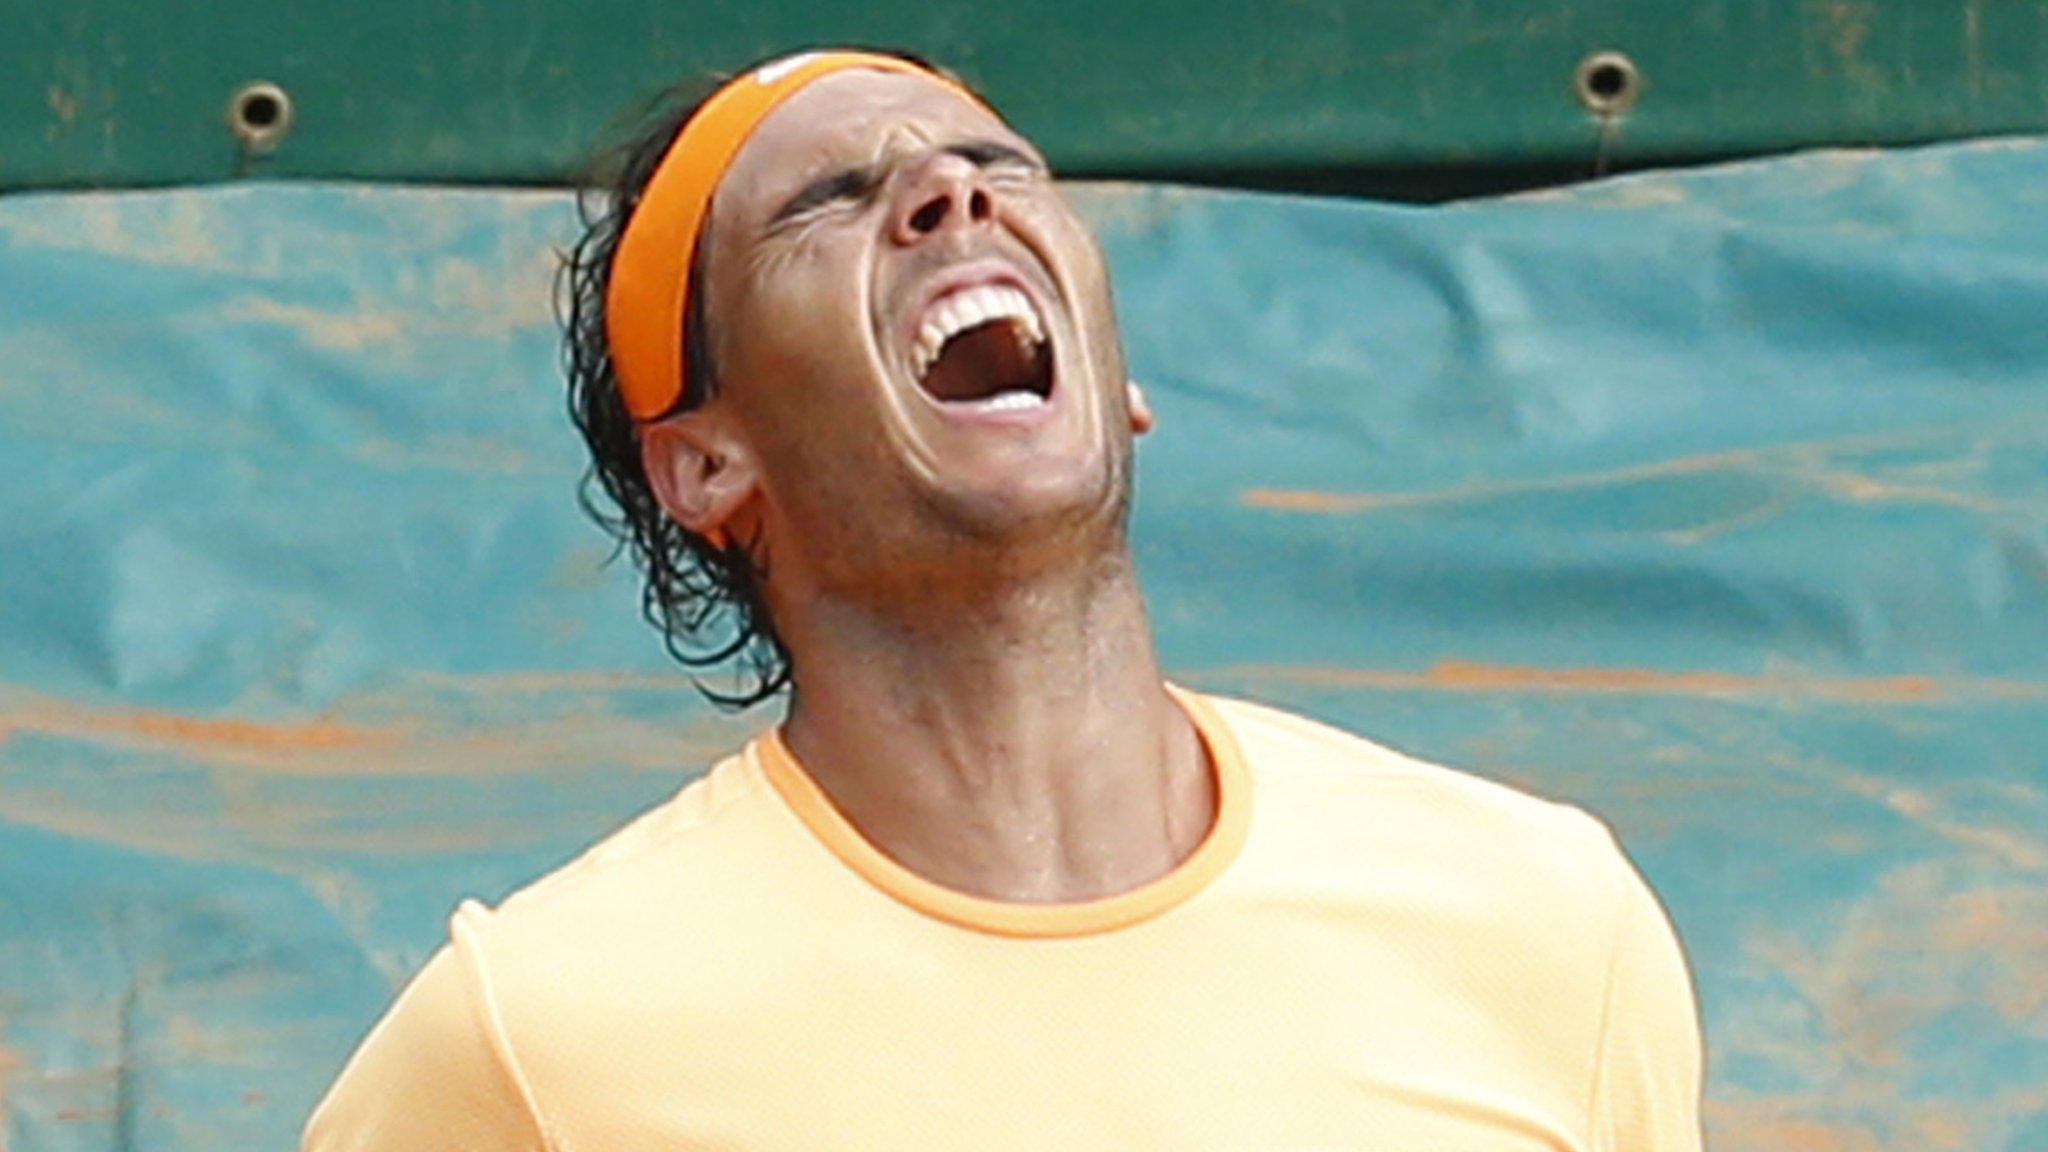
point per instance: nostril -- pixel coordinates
(977, 205)
(931, 214)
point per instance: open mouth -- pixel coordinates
(986, 347)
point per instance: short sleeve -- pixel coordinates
(1648, 1072)
(433, 1075)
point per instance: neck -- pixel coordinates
(1015, 744)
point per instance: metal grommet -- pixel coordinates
(1608, 83)
(259, 114)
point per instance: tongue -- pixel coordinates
(979, 363)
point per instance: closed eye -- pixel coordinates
(990, 154)
(852, 184)
(857, 184)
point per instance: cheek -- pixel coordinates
(805, 379)
(1073, 254)
(1092, 268)
(802, 318)
(1094, 308)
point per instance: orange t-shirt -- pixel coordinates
(1366, 952)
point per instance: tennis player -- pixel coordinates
(856, 400)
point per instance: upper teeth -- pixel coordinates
(975, 306)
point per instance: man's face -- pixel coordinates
(912, 332)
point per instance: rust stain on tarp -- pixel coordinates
(1877, 1114)
(237, 789)
(245, 733)
(189, 732)
(464, 729)
(1469, 676)
(1780, 1125)
(1928, 943)
(1816, 466)
(529, 682)
(1297, 500)
(10, 1061)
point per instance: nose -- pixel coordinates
(945, 193)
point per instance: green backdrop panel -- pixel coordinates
(135, 91)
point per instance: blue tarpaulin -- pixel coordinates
(1715, 502)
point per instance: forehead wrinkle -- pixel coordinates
(900, 138)
(903, 112)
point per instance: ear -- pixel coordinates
(1142, 419)
(700, 471)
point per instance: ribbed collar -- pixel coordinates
(1231, 783)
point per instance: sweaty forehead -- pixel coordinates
(846, 118)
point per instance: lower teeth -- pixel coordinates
(1013, 400)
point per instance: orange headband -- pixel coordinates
(650, 280)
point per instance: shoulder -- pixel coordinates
(642, 902)
(435, 1070)
(1291, 752)
(1498, 866)
(610, 882)
(1326, 799)
(452, 1061)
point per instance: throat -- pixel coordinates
(977, 666)
(1010, 740)
(1012, 764)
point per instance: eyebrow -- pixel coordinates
(859, 181)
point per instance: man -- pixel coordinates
(848, 367)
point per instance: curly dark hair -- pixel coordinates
(706, 599)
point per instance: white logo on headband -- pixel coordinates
(775, 70)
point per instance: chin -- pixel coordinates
(1023, 506)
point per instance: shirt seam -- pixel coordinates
(501, 1040)
(1599, 1072)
